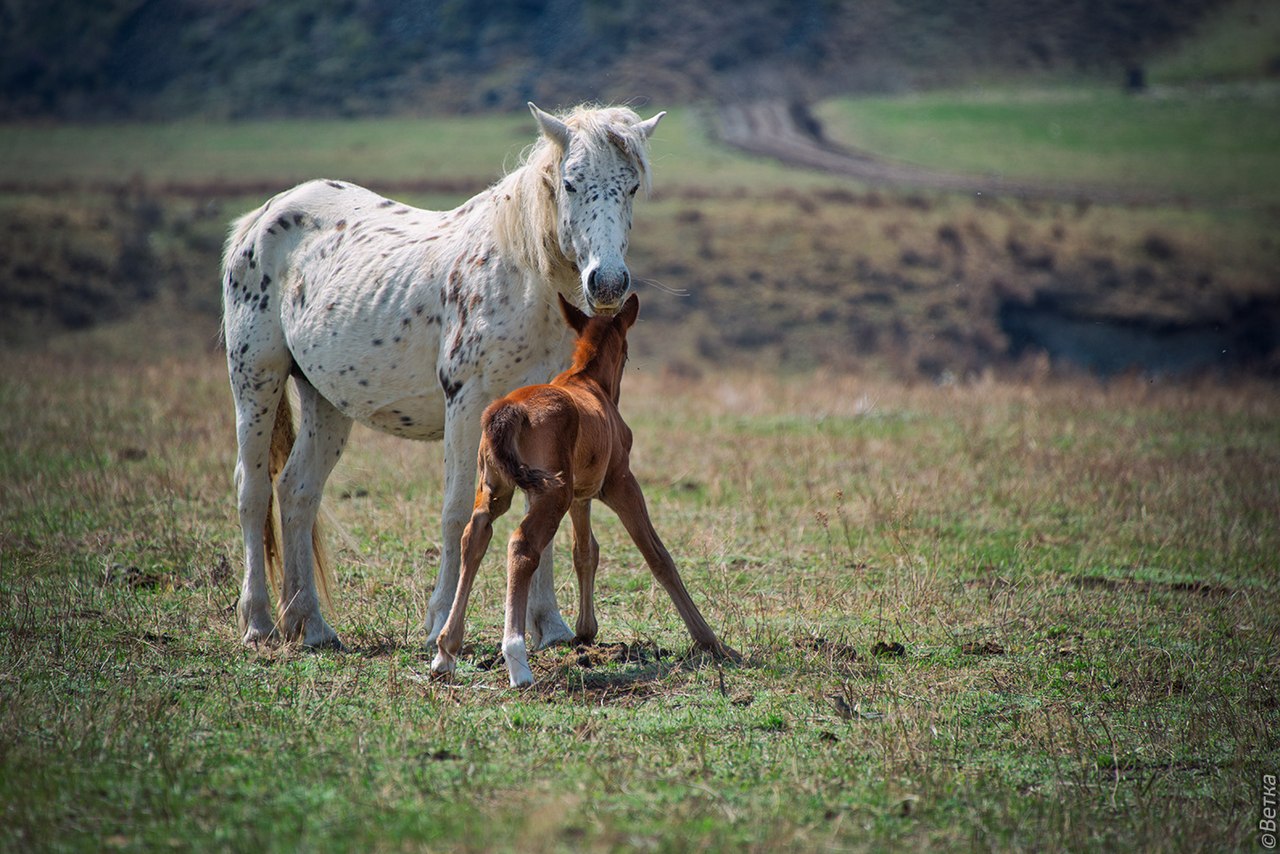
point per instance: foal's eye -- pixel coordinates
(569, 188)
(634, 189)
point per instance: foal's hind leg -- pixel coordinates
(586, 557)
(322, 434)
(623, 495)
(490, 505)
(523, 554)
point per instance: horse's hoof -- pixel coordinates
(553, 632)
(333, 644)
(442, 666)
(255, 637)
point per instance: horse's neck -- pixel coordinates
(523, 219)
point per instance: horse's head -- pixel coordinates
(603, 163)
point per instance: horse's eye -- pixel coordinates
(634, 189)
(568, 186)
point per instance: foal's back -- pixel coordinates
(569, 432)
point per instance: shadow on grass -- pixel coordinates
(620, 673)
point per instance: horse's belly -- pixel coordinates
(374, 370)
(420, 417)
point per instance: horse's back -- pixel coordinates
(338, 270)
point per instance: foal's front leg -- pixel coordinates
(623, 495)
(586, 558)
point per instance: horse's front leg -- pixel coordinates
(461, 442)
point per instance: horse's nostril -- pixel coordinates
(626, 281)
(591, 279)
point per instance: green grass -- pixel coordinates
(1082, 579)
(467, 152)
(1219, 147)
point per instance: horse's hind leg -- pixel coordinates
(586, 557)
(258, 365)
(322, 434)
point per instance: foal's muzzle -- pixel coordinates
(607, 288)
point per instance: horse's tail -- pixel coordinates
(283, 435)
(502, 427)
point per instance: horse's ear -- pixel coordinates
(648, 126)
(552, 127)
(573, 315)
(630, 311)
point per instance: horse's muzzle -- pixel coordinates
(607, 288)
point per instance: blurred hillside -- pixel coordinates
(236, 58)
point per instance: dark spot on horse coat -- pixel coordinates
(385, 203)
(336, 185)
(340, 224)
(377, 342)
(450, 387)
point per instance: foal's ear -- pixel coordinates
(573, 315)
(630, 310)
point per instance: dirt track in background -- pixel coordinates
(789, 132)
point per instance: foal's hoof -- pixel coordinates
(729, 653)
(443, 666)
(719, 651)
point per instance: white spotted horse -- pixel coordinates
(410, 321)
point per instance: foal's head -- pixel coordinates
(603, 162)
(601, 349)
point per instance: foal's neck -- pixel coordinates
(600, 364)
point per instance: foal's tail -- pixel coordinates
(283, 435)
(502, 426)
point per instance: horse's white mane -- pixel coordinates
(526, 223)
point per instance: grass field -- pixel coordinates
(989, 616)
(468, 153)
(1222, 147)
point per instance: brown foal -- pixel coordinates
(564, 444)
